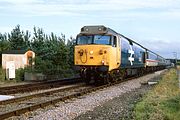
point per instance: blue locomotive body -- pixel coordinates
(132, 54)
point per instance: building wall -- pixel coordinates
(19, 60)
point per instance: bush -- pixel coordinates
(19, 75)
(2, 74)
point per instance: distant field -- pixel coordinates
(163, 102)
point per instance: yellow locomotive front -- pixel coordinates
(96, 52)
(92, 55)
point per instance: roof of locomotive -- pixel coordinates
(100, 29)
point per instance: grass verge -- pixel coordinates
(19, 77)
(163, 102)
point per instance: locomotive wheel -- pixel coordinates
(114, 76)
(88, 78)
(85, 76)
(123, 74)
(142, 72)
(138, 72)
(106, 79)
(87, 81)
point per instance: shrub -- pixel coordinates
(19, 74)
(2, 74)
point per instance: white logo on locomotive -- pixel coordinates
(131, 59)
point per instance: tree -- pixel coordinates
(38, 42)
(26, 38)
(61, 54)
(70, 46)
(4, 43)
(16, 39)
(53, 54)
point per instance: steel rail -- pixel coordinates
(37, 86)
(37, 83)
(27, 97)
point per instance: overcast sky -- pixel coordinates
(153, 23)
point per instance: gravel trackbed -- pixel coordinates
(115, 102)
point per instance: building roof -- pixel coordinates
(15, 52)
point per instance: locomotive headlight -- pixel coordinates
(103, 62)
(87, 29)
(99, 28)
(91, 52)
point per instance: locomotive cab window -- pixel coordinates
(81, 40)
(102, 39)
(93, 39)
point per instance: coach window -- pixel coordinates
(114, 41)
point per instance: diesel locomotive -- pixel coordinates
(103, 55)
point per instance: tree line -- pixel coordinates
(54, 53)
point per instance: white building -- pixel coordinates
(21, 58)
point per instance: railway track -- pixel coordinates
(53, 100)
(36, 101)
(37, 86)
(20, 105)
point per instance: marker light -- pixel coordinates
(91, 52)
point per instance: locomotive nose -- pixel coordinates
(91, 55)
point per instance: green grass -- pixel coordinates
(163, 102)
(19, 77)
(172, 108)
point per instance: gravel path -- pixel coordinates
(119, 108)
(96, 101)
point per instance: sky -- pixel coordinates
(152, 23)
